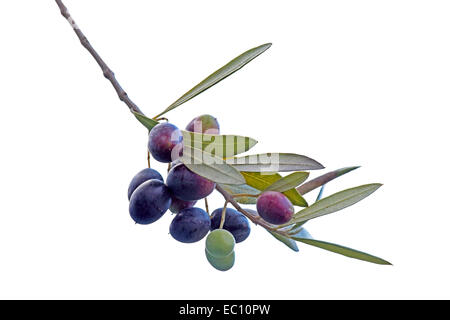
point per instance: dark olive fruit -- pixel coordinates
(190, 225)
(165, 142)
(174, 163)
(141, 177)
(235, 222)
(220, 243)
(222, 263)
(274, 207)
(149, 201)
(188, 186)
(178, 205)
(204, 124)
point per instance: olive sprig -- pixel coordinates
(239, 182)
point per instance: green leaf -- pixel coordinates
(210, 167)
(227, 70)
(146, 122)
(294, 229)
(221, 146)
(241, 189)
(302, 233)
(323, 179)
(348, 252)
(288, 182)
(274, 162)
(335, 202)
(262, 181)
(288, 242)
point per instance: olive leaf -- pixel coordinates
(287, 241)
(348, 252)
(241, 189)
(146, 122)
(288, 182)
(210, 167)
(218, 145)
(302, 233)
(323, 179)
(294, 229)
(335, 202)
(262, 181)
(274, 162)
(227, 70)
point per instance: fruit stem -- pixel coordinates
(206, 206)
(224, 213)
(148, 159)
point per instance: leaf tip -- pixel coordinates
(345, 170)
(319, 166)
(383, 262)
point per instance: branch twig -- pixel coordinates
(107, 72)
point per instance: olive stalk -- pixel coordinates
(206, 206)
(224, 213)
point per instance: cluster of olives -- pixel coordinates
(150, 197)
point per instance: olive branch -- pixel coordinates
(241, 182)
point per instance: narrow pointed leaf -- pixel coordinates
(241, 189)
(335, 202)
(302, 233)
(146, 122)
(221, 146)
(288, 182)
(348, 252)
(224, 72)
(294, 229)
(274, 162)
(323, 179)
(261, 181)
(319, 196)
(285, 240)
(210, 167)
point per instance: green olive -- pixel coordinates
(221, 264)
(220, 243)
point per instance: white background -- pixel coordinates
(346, 82)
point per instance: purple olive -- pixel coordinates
(178, 205)
(149, 201)
(187, 185)
(141, 177)
(274, 207)
(190, 225)
(165, 142)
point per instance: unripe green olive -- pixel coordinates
(220, 243)
(221, 264)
